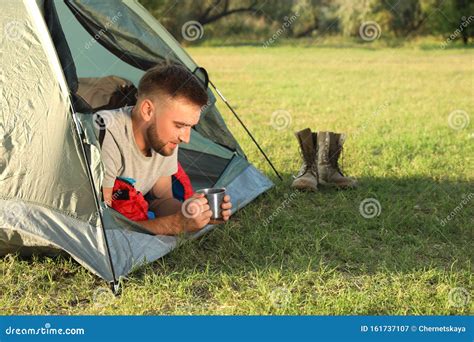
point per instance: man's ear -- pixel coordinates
(147, 109)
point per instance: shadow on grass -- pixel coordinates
(339, 43)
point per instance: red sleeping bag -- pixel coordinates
(132, 204)
(128, 201)
(181, 184)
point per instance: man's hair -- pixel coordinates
(172, 80)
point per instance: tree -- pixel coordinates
(218, 9)
(174, 15)
(462, 7)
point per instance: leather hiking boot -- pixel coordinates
(307, 177)
(330, 147)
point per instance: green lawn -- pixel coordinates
(318, 255)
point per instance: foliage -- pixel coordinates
(258, 19)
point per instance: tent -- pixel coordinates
(50, 166)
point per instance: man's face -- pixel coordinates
(171, 124)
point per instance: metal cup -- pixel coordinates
(215, 198)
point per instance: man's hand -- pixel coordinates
(108, 194)
(226, 208)
(195, 213)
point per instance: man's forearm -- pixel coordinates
(166, 221)
(166, 225)
(165, 207)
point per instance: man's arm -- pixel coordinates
(163, 203)
(169, 218)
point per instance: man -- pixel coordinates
(141, 143)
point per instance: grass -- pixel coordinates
(318, 255)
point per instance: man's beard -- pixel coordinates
(156, 143)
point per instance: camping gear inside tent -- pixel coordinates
(50, 166)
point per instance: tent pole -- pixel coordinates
(79, 131)
(246, 129)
